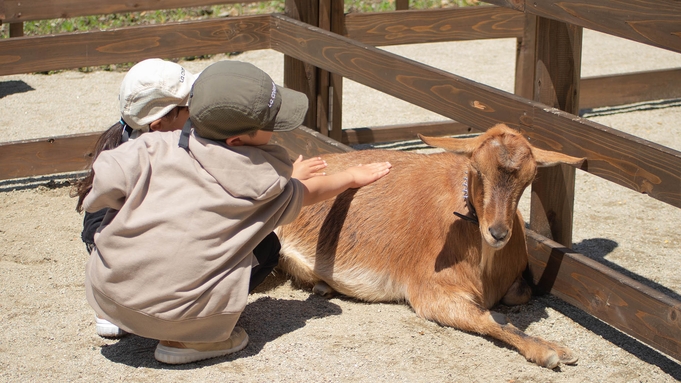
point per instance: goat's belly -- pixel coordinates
(355, 281)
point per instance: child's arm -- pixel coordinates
(304, 169)
(318, 189)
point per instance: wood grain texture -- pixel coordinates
(403, 132)
(558, 57)
(46, 155)
(307, 142)
(618, 300)
(75, 50)
(434, 25)
(652, 22)
(627, 160)
(27, 10)
(73, 152)
(629, 88)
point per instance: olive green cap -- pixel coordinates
(231, 98)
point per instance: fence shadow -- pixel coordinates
(11, 87)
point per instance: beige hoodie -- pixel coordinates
(174, 261)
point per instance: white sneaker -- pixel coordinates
(183, 352)
(107, 329)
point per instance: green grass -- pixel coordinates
(104, 22)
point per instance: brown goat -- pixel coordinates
(441, 231)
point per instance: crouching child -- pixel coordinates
(173, 256)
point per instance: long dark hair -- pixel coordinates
(110, 139)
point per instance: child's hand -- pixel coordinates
(366, 174)
(304, 169)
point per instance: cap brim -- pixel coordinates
(293, 109)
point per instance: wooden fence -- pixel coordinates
(322, 45)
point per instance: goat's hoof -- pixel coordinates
(323, 289)
(551, 361)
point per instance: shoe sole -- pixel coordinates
(172, 355)
(107, 329)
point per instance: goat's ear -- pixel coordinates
(456, 145)
(548, 158)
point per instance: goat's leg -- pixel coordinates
(301, 270)
(322, 289)
(298, 267)
(519, 293)
(458, 311)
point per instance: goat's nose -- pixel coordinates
(499, 232)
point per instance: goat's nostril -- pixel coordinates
(499, 233)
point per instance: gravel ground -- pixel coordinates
(47, 329)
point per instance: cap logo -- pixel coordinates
(181, 74)
(273, 95)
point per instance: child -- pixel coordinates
(153, 96)
(173, 256)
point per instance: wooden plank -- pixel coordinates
(46, 155)
(27, 10)
(298, 74)
(652, 22)
(324, 77)
(403, 132)
(525, 59)
(16, 29)
(625, 304)
(630, 88)
(75, 50)
(307, 142)
(556, 83)
(627, 160)
(69, 153)
(434, 25)
(335, 80)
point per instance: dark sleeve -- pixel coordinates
(91, 223)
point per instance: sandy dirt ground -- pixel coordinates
(47, 328)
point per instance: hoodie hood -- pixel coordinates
(263, 171)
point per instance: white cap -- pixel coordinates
(151, 89)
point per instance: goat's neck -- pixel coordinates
(488, 273)
(470, 215)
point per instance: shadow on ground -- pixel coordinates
(264, 320)
(11, 87)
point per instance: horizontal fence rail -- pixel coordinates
(434, 25)
(30, 10)
(652, 22)
(82, 49)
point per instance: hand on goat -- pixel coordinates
(304, 169)
(318, 189)
(366, 174)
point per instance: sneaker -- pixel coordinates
(184, 352)
(107, 329)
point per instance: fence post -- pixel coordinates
(330, 85)
(556, 83)
(299, 75)
(526, 47)
(401, 5)
(16, 29)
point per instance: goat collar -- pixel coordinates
(471, 216)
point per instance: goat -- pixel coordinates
(407, 237)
